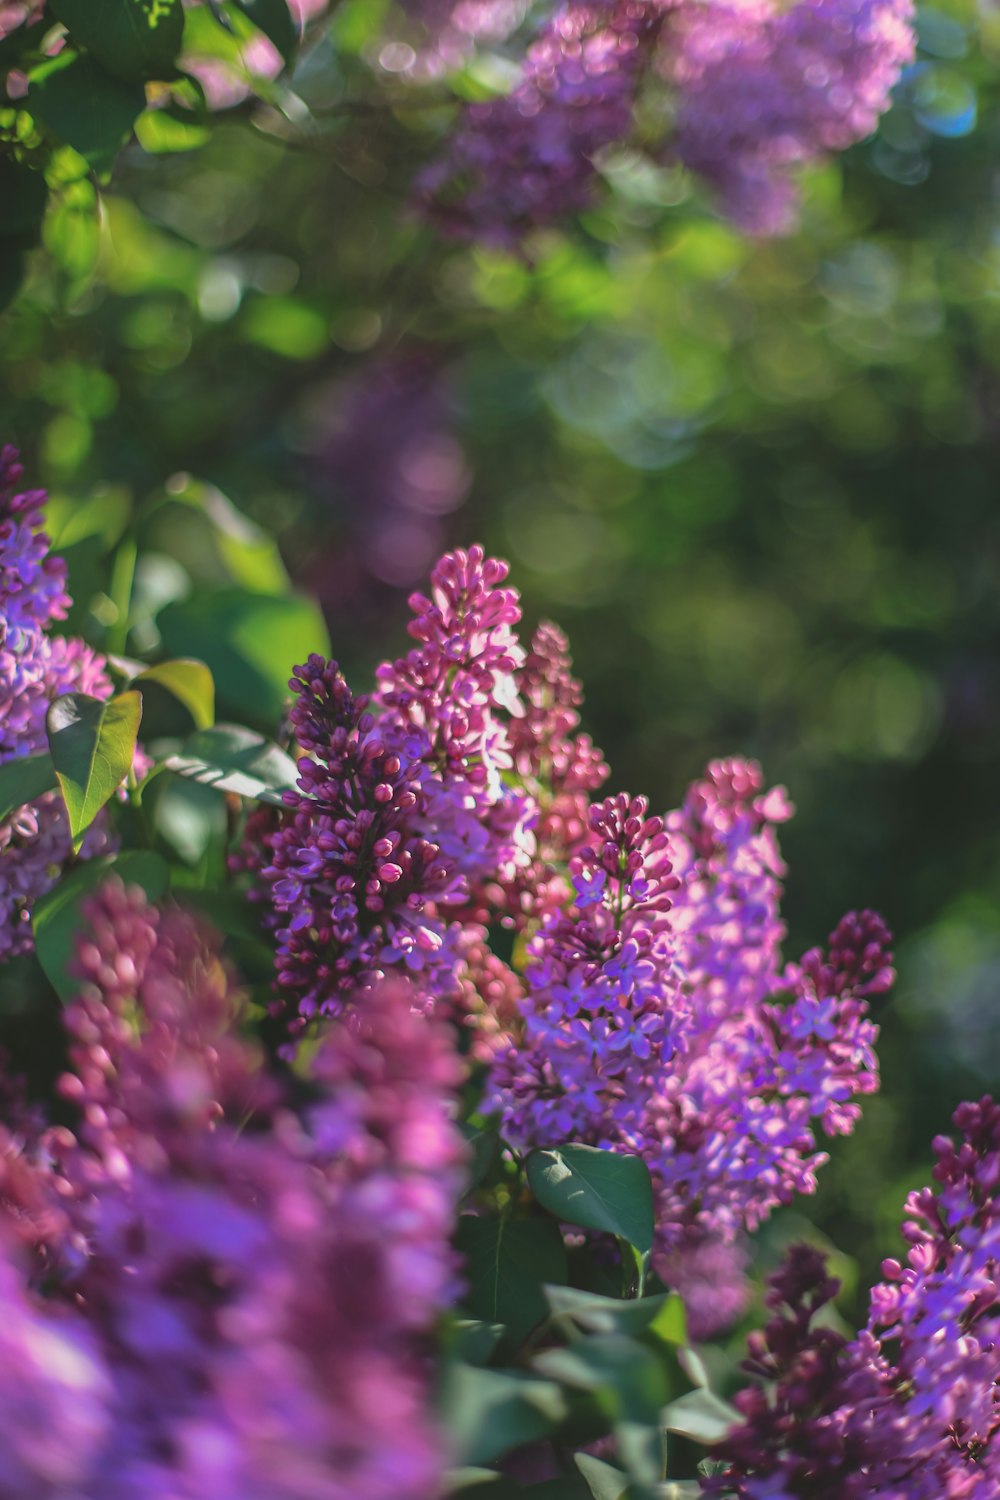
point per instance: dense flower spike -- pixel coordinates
(680, 1035)
(909, 1408)
(34, 669)
(359, 886)
(245, 1314)
(757, 90)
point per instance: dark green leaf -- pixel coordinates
(134, 39)
(92, 744)
(231, 758)
(85, 106)
(190, 682)
(23, 779)
(507, 1262)
(488, 1412)
(58, 917)
(596, 1189)
(472, 1342)
(274, 19)
(250, 641)
(629, 1381)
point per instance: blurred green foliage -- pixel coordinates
(754, 482)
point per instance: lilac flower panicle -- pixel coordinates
(763, 88)
(357, 883)
(909, 1407)
(658, 1018)
(404, 802)
(245, 1313)
(529, 158)
(34, 668)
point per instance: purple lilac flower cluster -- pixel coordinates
(659, 1019)
(654, 1013)
(758, 89)
(34, 668)
(909, 1408)
(402, 808)
(216, 1294)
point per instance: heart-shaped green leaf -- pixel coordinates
(596, 1189)
(92, 744)
(23, 779)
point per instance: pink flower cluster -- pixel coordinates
(208, 1292)
(34, 668)
(757, 89)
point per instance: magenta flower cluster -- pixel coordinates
(909, 1408)
(205, 1291)
(756, 90)
(35, 667)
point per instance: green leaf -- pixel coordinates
(162, 132)
(231, 758)
(274, 19)
(701, 1416)
(190, 682)
(58, 917)
(660, 1318)
(23, 779)
(134, 39)
(507, 1262)
(249, 641)
(629, 1381)
(488, 1412)
(596, 1189)
(604, 1481)
(92, 744)
(85, 106)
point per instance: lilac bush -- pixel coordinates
(522, 1043)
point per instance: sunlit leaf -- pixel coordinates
(190, 682)
(92, 744)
